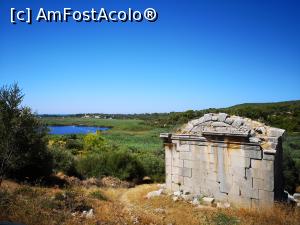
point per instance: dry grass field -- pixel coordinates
(45, 206)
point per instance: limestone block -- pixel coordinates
(269, 157)
(177, 179)
(222, 117)
(221, 196)
(214, 118)
(234, 190)
(208, 201)
(169, 182)
(219, 124)
(229, 120)
(238, 171)
(175, 187)
(266, 196)
(263, 165)
(187, 181)
(251, 147)
(178, 162)
(246, 153)
(254, 140)
(265, 184)
(275, 132)
(168, 170)
(185, 156)
(176, 170)
(242, 182)
(186, 172)
(168, 161)
(207, 117)
(240, 201)
(239, 162)
(190, 163)
(254, 203)
(249, 192)
(225, 185)
(184, 148)
(237, 123)
(211, 176)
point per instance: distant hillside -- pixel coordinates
(284, 115)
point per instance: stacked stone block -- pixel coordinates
(231, 159)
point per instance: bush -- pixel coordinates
(98, 195)
(63, 161)
(93, 142)
(74, 144)
(119, 164)
(223, 219)
(154, 166)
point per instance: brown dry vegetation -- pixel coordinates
(39, 205)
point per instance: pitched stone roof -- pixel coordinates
(222, 124)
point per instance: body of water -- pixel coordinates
(74, 129)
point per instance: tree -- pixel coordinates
(23, 150)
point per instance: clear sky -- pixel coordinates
(198, 54)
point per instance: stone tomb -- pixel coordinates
(229, 158)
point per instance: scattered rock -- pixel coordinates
(154, 193)
(297, 196)
(195, 201)
(90, 214)
(161, 186)
(223, 205)
(187, 197)
(159, 210)
(208, 201)
(175, 198)
(177, 193)
(115, 183)
(91, 182)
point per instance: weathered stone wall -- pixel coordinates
(229, 158)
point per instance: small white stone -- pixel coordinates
(175, 198)
(177, 193)
(195, 201)
(90, 214)
(154, 193)
(208, 201)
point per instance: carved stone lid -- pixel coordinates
(221, 124)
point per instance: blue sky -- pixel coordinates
(198, 54)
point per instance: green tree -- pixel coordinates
(23, 151)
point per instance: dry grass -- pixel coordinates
(44, 206)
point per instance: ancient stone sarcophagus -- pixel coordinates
(229, 158)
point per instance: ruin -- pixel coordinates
(229, 158)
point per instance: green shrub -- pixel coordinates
(119, 164)
(63, 161)
(93, 142)
(154, 165)
(98, 195)
(223, 219)
(74, 144)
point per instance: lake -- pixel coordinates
(75, 129)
